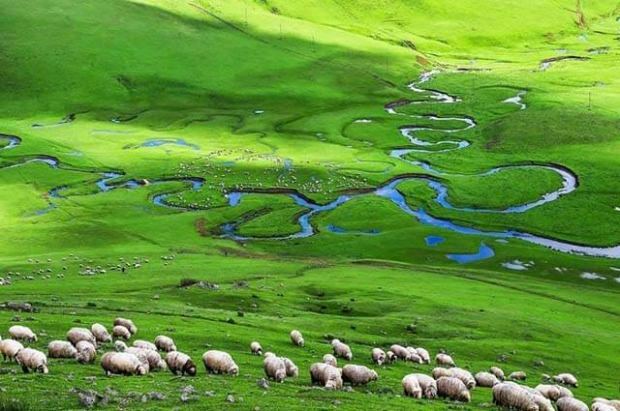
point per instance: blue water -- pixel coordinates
(340, 230)
(484, 252)
(433, 240)
(157, 142)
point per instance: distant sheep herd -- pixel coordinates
(446, 381)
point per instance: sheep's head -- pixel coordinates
(190, 368)
(464, 396)
(161, 365)
(348, 356)
(373, 375)
(430, 392)
(141, 370)
(43, 369)
(279, 376)
(234, 370)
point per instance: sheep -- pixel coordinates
(275, 368)
(61, 349)
(330, 359)
(358, 374)
(255, 348)
(297, 339)
(86, 352)
(463, 375)
(602, 406)
(342, 350)
(486, 379)
(10, 348)
(413, 355)
(613, 403)
(269, 354)
(566, 379)
(452, 388)
(77, 334)
(151, 357)
(291, 369)
(498, 372)
(513, 396)
(145, 344)
(378, 356)
(428, 385)
(517, 376)
(444, 359)
(390, 357)
(219, 362)
(411, 386)
(127, 324)
(439, 372)
(21, 333)
(400, 352)
(571, 404)
(548, 391)
(31, 359)
(120, 346)
(180, 362)
(141, 356)
(543, 403)
(122, 363)
(121, 332)
(165, 343)
(101, 333)
(326, 375)
(424, 355)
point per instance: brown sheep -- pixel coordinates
(179, 362)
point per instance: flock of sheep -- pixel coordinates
(446, 381)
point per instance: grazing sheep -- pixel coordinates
(122, 363)
(613, 403)
(77, 334)
(145, 344)
(179, 362)
(31, 359)
(141, 355)
(378, 356)
(543, 403)
(358, 374)
(330, 359)
(275, 368)
(269, 354)
(326, 375)
(513, 396)
(86, 352)
(517, 376)
(165, 343)
(566, 379)
(390, 357)
(463, 375)
(424, 355)
(342, 350)
(120, 346)
(10, 348)
(400, 352)
(498, 372)
(101, 333)
(571, 404)
(220, 362)
(486, 379)
(439, 372)
(291, 369)
(255, 348)
(21, 333)
(151, 357)
(411, 386)
(61, 349)
(444, 359)
(549, 391)
(297, 339)
(127, 324)
(121, 332)
(452, 388)
(602, 406)
(428, 385)
(413, 355)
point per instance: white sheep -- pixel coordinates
(297, 339)
(120, 331)
(428, 385)
(120, 346)
(255, 348)
(566, 379)
(22, 333)
(413, 355)
(220, 362)
(400, 352)
(145, 344)
(31, 359)
(10, 348)
(390, 357)
(517, 376)
(411, 386)
(452, 388)
(444, 359)
(549, 391)
(498, 372)
(378, 356)
(77, 334)
(165, 343)
(127, 324)
(326, 375)
(61, 349)
(180, 362)
(152, 358)
(486, 379)
(513, 396)
(439, 372)
(291, 369)
(86, 352)
(463, 375)
(122, 363)
(424, 355)
(358, 374)
(141, 354)
(342, 350)
(275, 368)
(330, 359)
(613, 403)
(571, 404)
(101, 333)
